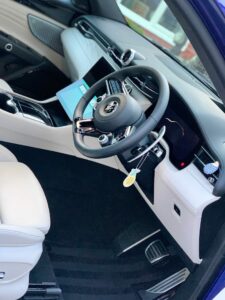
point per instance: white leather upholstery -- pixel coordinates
(24, 221)
(21, 284)
(6, 155)
(4, 86)
(22, 200)
(13, 236)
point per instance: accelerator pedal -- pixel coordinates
(165, 289)
(156, 253)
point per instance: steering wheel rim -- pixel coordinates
(142, 131)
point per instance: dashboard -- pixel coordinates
(107, 39)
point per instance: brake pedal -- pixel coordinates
(156, 252)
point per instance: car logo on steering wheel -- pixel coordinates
(111, 107)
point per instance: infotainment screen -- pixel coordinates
(71, 95)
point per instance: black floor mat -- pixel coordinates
(89, 208)
(87, 201)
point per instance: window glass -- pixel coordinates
(155, 21)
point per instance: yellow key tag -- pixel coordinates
(131, 178)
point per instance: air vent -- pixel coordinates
(129, 55)
(207, 165)
(91, 33)
(147, 86)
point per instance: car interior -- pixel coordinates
(111, 157)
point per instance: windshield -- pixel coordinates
(154, 20)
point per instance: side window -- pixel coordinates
(154, 20)
(154, 16)
(143, 8)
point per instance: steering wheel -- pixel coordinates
(118, 115)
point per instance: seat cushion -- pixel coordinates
(22, 200)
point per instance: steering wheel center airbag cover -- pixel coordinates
(117, 111)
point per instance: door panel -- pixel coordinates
(16, 58)
(14, 23)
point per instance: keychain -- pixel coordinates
(131, 177)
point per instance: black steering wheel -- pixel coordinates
(118, 112)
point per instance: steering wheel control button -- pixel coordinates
(103, 140)
(211, 168)
(114, 86)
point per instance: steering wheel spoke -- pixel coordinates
(86, 127)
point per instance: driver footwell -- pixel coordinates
(90, 272)
(80, 247)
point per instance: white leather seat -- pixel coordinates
(24, 221)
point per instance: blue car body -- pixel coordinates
(212, 14)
